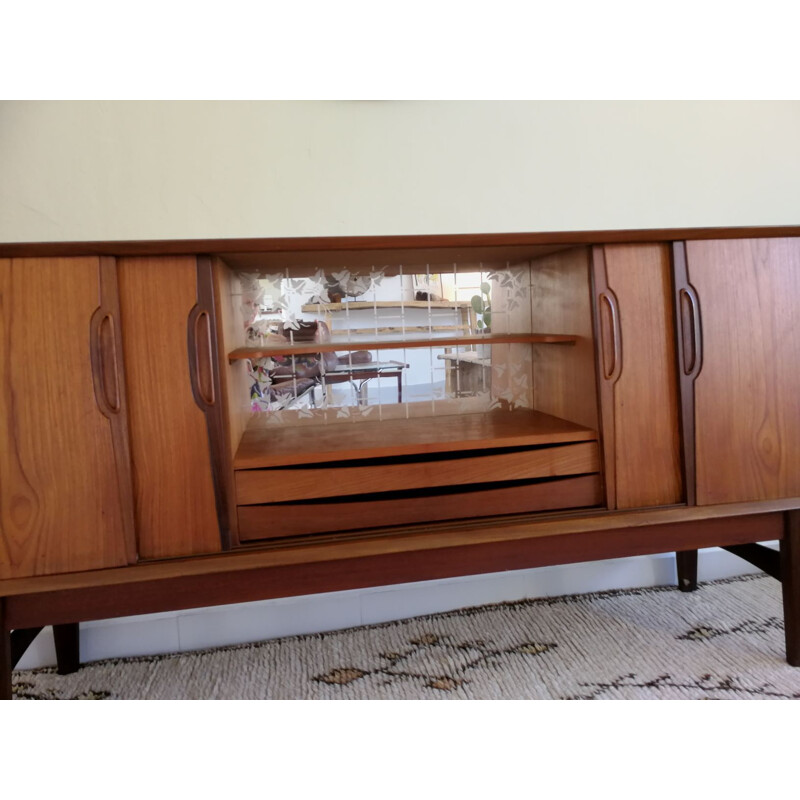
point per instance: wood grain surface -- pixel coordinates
(175, 504)
(278, 485)
(294, 519)
(564, 377)
(421, 248)
(277, 446)
(64, 505)
(607, 368)
(747, 395)
(747, 433)
(235, 381)
(690, 362)
(398, 342)
(355, 305)
(646, 414)
(247, 577)
(428, 537)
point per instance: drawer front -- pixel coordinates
(283, 485)
(296, 519)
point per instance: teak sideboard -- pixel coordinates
(664, 416)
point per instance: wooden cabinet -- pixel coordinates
(65, 495)
(739, 355)
(636, 369)
(634, 398)
(155, 361)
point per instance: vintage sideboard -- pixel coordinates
(653, 406)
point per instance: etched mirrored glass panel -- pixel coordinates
(386, 342)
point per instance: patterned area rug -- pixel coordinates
(722, 642)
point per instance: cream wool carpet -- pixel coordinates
(722, 642)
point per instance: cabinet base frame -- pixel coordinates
(14, 644)
(790, 584)
(166, 589)
(686, 563)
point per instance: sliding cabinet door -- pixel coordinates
(170, 359)
(65, 488)
(739, 303)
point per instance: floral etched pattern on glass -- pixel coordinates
(396, 307)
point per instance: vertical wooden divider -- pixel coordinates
(605, 386)
(234, 383)
(110, 366)
(205, 372)
(688, 363)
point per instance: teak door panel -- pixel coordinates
(740, 302)
(168, 387)
(637, 375)
(65, 491)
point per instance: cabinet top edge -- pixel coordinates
(561, 239)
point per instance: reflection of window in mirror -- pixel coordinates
(272, 295)
(428, 287)
(462, 285)
(451, 286)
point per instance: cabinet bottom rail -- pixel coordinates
(24, 614)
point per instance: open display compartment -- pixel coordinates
(507, 423)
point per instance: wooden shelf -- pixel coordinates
(278, 446)
(408, 341)
(361, 304)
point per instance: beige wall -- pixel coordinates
(106, 170)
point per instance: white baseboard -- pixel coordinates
(196, 629)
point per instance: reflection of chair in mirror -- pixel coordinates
(289, 380)
(290, 377)
(295, 376)
(356, 367)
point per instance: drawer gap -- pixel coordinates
(416, 458)
(386, 510)
(422, 493)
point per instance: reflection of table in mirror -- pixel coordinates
(359, 374)
(468, 373)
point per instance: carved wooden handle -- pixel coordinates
(690, 331)
(201, 369)
(611, 373)
(105, 369)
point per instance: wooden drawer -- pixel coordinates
(296, 519)
(330, 480)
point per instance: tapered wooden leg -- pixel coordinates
(790, 583)
(5, 655)
(686, 561)
(68, 651)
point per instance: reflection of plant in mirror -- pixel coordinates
(482, 306)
